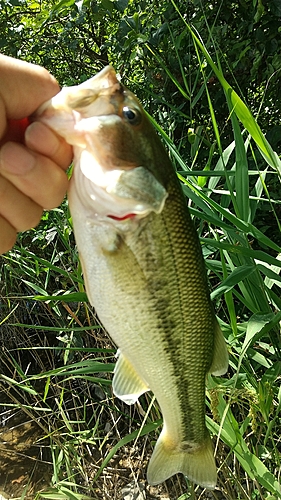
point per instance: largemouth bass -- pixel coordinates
(143, 267)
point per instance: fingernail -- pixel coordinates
(15, 159)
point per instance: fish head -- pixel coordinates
(116, 150)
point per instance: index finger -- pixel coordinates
(23, 88)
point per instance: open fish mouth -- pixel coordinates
(98, 118)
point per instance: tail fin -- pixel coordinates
(198, 465)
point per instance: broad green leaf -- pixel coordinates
(62, 5)
(255, 325)
(237, 275)
(240, 250)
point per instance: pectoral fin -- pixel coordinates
(127, 384)
(220, 357)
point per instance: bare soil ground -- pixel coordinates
(26, 468)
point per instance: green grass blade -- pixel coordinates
(127, 439)
(239, 107)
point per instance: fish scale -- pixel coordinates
(173, 324)
(143, 266)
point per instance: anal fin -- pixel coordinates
(127, 384)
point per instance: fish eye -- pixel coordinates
(133, 116)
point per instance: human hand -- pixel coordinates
(33, 160)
